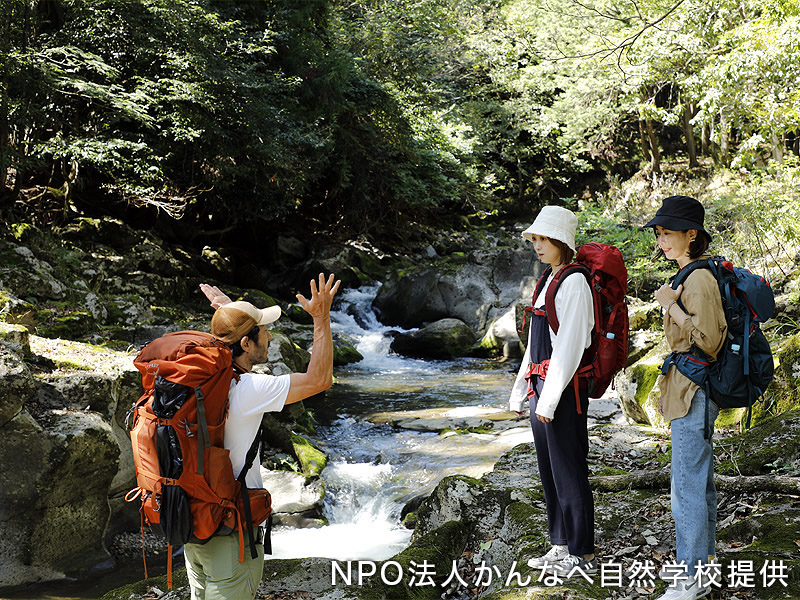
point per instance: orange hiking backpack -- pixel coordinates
(184, 474)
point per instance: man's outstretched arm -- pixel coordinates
(319, 375)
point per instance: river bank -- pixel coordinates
(64, 403)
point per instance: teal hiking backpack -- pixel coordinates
(744, 367)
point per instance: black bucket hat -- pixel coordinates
(680, 213)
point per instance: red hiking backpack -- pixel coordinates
(605, 272)
(184, 474)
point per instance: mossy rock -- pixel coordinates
(312, 460)
(460, 498)
(438, 548)
(639, 393)
(442, 339)
(344, 353)
(773, 441)
(142, 589)
(489, 346)
(112, 232)
(731, 418)
(14, 310)
(16, 336)
(783, 394)
(54, 323)
(645, 316)
(298, 314)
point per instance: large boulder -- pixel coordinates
(446, 338)
(17, 386)
(54, 501)
(480, 290)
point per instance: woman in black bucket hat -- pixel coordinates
(694, 325)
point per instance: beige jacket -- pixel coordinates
(705, 328)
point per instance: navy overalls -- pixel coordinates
(562, 447)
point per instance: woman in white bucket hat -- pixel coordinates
(559, 429)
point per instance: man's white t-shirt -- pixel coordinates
(250, 397)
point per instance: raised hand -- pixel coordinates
(216, 296)
(319, 306)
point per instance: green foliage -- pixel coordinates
(603, 224)
(383, 118)
(757, 219)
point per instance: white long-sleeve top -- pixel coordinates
(576, 319)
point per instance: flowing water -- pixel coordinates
(375, 469)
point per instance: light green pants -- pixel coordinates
(215, 572)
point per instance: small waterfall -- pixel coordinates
(373, 470)
(362, 492)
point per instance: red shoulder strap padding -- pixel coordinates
(550, 295)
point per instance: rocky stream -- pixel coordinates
(410, 466)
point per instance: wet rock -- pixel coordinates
(478, 291)
(344, 353)
(442, 419)
(291, 493)
(312, 460)
(17, 386)
(446, 338)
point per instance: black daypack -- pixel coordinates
(744, 366)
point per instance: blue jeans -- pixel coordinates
(694, 498)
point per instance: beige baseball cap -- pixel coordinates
(232, 321)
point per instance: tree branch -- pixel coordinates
(658, 480)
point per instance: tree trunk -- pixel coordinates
(705, 135)
(643, 140)
(688, 131)
(655, 155)
(659, 480)
(724, 139)
(777, 149)
(4, 134)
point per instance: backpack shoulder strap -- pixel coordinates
(550, 295)
(540, 284)
(683, 274)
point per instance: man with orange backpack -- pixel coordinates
(213, 568)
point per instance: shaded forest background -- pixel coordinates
(218, 121)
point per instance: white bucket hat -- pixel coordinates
(554, 222)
